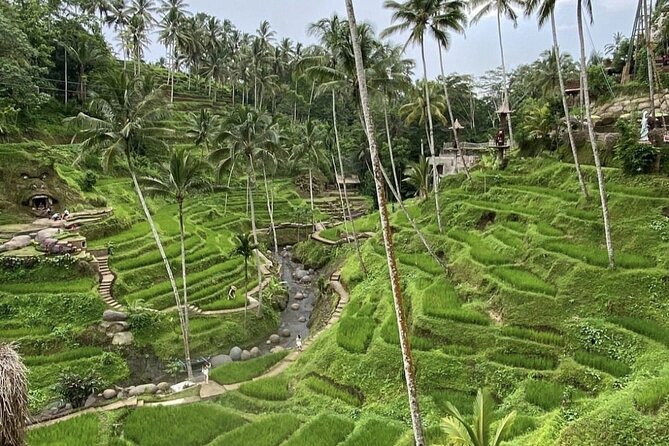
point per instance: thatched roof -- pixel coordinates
(13, 397)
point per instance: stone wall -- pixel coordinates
(610, 112)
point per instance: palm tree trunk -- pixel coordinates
(270, 210)
(341, 198)
(246, 287)
(168, 268)
(227, 187)
(343, 176)
(311, 197)
(649, 59)
(185, 310)
(390, 150)
(450, 116)
(251, 181)
(66, 89)
(593, 141)
(504, 77)
(565, 106)
(430, 139)
(311, 99)
(398, 300)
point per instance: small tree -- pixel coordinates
(75, 388)
(13, 397)
(245, 248)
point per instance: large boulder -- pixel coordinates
(135, 390)
(123, 338)
(150, 388)
(45, 234)
(90, 401)
(109, 394)
(114, 327)
(274, 339)
(18, 242)
(163, 386)
(246, 355)
(220, 360)
(114, 316)
(255, 352)
(236, 353)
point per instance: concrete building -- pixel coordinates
(449, 161)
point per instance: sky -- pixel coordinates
(474, 53)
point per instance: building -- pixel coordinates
(352, 181)
(449, 161)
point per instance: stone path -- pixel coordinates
(361, 235)
(106, 280)
(213, 389)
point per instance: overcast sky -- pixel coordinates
(474, 53)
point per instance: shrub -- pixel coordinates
(524, 280)
(644, 327)
(271, 389)
(330, 388)
(75, 388)
(81, 431)
(355, 333)
(545, 394)
(88, 181)
(271, 430)
(541, 337)
(603, 363)
(235, 372)
(324, 430)
(635, 157)
(374, 432)
(652, 395)
(192, 425)
(533, 362)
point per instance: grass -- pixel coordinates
(545, 394)
(374, 432)
(355, 333)
(236, 372)
(69, 355)
(462, 401)
(602, 363)
(521, 426)
(598, 257)
(271, 430)
(83, 285)
(325, 386)
(479, 249)
(644, 327)
(81, 431)
(508, 238)
(524, 280)
(421, 261)
(439, 298)
(270, 389)
(541, 337)
(323, 430)
(544, 228)
(652, 395)
(532, 362)
(191, 425)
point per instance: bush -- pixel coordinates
(603, 363)
(545, 394)
(331, 389)
(271, 430)
(636, 158)
(88, 181)
(236, 372)
(271, 389)
(324, 430)
(75, 388)
(652, 395)
(355, 333)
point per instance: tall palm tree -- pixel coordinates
(118, 17)
(245, 248)
(478, 433)
(545, 10)
(87, 55)
(181, 176)
(201, 127)
(587, 5)
(250, 137)
(421, 17)
(125, 120)
(379, 183)
(141, 22)
(13, 397)
(311, 151)
(171, 26)
(500, 8)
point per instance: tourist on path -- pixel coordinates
(298, 343)
(205, 371)
(232, 293)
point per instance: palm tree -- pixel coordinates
(141, 22)
(417, 174)
(478, 433)
(87, 55)
(387, 232)
(251, 136)
(13, 397)
(311, 151)
(545, 9)
(171, 26)
(587, 4)
(420, 17)
(125, 120)
(414, 110)
(201, 128)
(245, 248)
(182, 175)
(500, 8)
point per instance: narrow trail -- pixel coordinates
(213, 389)
(107, 278)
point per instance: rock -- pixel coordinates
(268, 342)
(236, 353)
(305, 279)
(45, 234)
(18, 242)
(109, 394)
(274, 339)
(246, 355)
(299, 296)
(277, 349)
(115, 327)
(135, 391)
(123, 338)
(285, 333)
(255, 352)
(220, 360)
(163, 386)
(302, 319)
(68, 406)
(295, 306)
(150, 388)
(299, 274)
(89, 401)
(114, 316)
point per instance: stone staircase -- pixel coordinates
(106, 281)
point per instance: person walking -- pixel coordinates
(205, 371)
(298, 343)
(232, 293)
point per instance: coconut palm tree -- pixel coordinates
(141, 22)
(171, 26)
(245, 248)
(499, 8)
(182, 175)
(587, 5)
(421, 17)
(124, 121)
(417, 174)
(460, 432)
(13, 397)
(250, 137)
(414, 110)
(201, 127)
(545, 10)
(310, 150)
(409, 372)
(87, 54)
